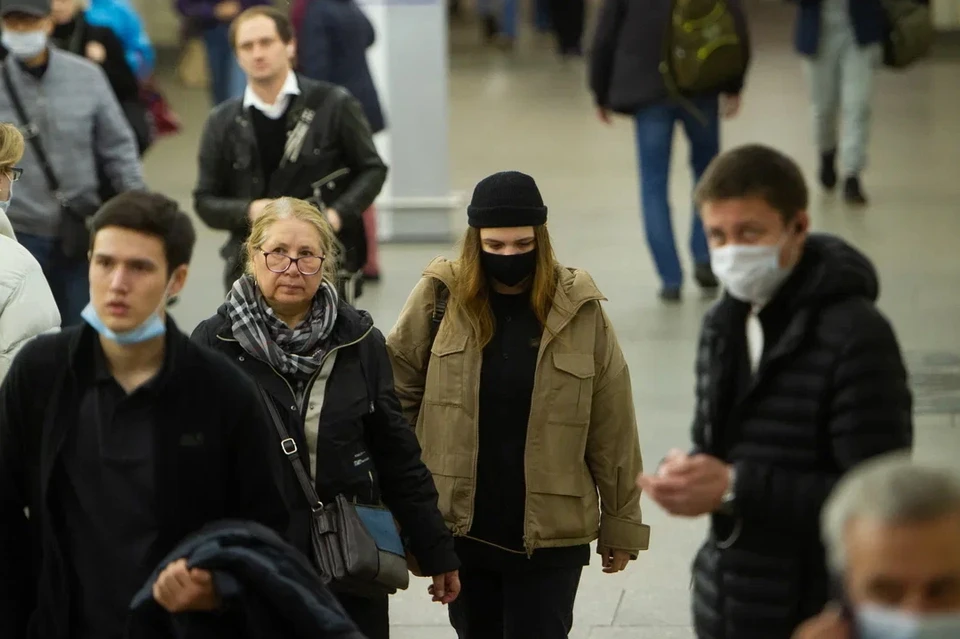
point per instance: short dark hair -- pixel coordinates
(151, 214)
(280, 19)
(759, 171)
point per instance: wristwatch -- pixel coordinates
(730, 496)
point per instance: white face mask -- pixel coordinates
(5, 204)
(875, 622)
(749, 273)
(24, 44)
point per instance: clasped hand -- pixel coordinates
(183, 589)
(687, 485)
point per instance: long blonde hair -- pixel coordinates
(471, 292)
(11, 145)
(289, 208)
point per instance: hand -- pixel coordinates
(729, 106)
(227, 10)
(255, 209)
(829, 624)
(446, 587)
(96, 52)
(614, 561)
(181, 589)
(605, 115)
(334, 218)
(688, 486)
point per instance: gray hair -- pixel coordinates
(889, 489)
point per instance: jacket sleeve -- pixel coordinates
(119, 74)
(314, 44)
(613, 447)
(405, 482)
(211, 201)
(115, 142)
(604, 49)
(409, 347)
(28, 310)
(356, 142)
(17, 583)
(869, 414)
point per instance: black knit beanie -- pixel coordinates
(506, 199)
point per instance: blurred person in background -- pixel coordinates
(27, 307)
(325, 366)
(626, 78)
(842, 43)
(288, 136)
(211, 19)
(333, 38)
(892, 533)
(567, 18)
(510, 369)
(76, 131)
(121, 18)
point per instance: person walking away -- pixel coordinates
(318, 358)
(288, 136)
(799, 379)
(509, 367)
(125, 22)
(334, 37)
(626, 77)
(121, 437)
(568, 18)
(27, 307)
(842, 45)
(75, 130)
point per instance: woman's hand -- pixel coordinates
(614, 561)
(181, 589)
(446, 587)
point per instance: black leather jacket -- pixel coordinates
(338, 144)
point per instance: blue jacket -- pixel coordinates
(333, 43)
(867, 16)
(123, 20)
(268, 590)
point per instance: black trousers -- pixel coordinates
(568, 17)
(529, 604)
(372, 615)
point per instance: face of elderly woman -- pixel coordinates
(288, 265)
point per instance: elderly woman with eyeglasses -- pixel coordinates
(325, 368)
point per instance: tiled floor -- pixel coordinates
(530, 112)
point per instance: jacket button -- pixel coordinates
(316, 151)
(242, 358)
(312, 405)
(293, 408)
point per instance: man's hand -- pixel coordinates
(180, 589)
(96, 52)
(446, 587)
(729, 106)
(334, 218)
(688, 486)
(227, 10)
(614, 561)
(829, 624)
(605, 115)
(255, 209)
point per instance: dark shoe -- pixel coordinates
(491, 29)
(670, 294)
(705, 277)
(853, 193)
(828, 170)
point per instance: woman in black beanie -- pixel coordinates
(508, 366)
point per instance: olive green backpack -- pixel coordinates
(703, 50)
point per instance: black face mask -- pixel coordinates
(509, 270)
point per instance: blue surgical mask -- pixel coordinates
(24, 44)
(875, 622)
(153, 326)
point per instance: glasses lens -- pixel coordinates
(309, 265)
(277, 262)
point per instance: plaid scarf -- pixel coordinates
(297, 351)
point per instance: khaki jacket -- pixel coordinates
(582, 453)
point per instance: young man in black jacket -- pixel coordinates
(288, 136)
(799, 378)
(121, 437)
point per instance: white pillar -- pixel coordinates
(409, 65)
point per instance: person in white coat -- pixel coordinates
(27, 307)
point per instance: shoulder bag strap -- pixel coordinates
(31, 133)
(289, 446)
(440, 295)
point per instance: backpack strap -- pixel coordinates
(441, 294)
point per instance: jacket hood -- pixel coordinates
(835, 270)
(6, 228)
(574, 286)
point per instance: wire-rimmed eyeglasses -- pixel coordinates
(14, 173)
(306, 264)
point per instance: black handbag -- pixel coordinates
(75, 217)
(356, 548)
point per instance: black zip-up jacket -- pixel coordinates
(365, 448)
(338, 151)
(830, 392)
(209, 460)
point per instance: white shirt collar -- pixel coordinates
(276, 110)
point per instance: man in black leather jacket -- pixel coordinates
(288, 136)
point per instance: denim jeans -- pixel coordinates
(654, 130)
(226, 77)
(68, 279)
(506, 12)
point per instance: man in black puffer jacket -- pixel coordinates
(799, 379)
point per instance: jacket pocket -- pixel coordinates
(562, 506)
(445, 372)
(453, 477)
(571, 388)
